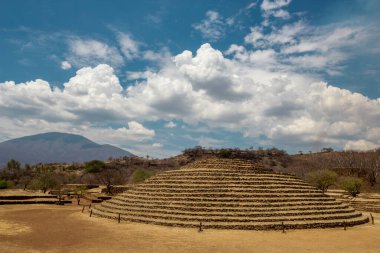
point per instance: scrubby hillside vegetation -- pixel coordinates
(112, 172)
(341, 169)
(362, 166)
(325, 169)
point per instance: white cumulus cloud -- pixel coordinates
(65, 65)
(290, 109)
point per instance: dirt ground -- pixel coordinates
(44, 228)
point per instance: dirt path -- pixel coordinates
(43, 228)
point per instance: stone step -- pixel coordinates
(224, 195)
(225, 212)
(242, 225)
(224, 182)
(228, 179)
(221, 190)
(208, 199)
(32, 201)
(217, 204)
(228, 169)
(248, 177)
(221, 218)
(24, 197)
(207, 172)
(229, 186)
(195, 208)
(223, 165)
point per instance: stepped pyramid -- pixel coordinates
(228, 194)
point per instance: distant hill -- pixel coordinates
(56, 147)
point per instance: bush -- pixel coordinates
(225, 153)
(3, 184)
(94, 166)
(80, 189)
(322, 179)
(351, 184)
(71, 168)
(140, 175)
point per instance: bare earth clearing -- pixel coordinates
(43, 228)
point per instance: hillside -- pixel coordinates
(56, 147)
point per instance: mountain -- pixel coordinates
(56, 147)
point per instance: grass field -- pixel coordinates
(44, 228)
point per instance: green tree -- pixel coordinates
(12, 172)
(27, 176)
(13, 165)
(45, 180)
(351, 184)
(322, 179)
(94, 166)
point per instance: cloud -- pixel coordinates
(212, 27)
(273, 8)
(90, 52)
(161, 56)
(128, 46)
(209, 142)
(170, 124)
(268, 87)
(135, 132)
(234, 94)
(92, 82)
(268, 5)
(258, 89)
(251, 5)
(157, 145)
(300, 47)
(283, 36)
(90, 103)
(281, 14)
(360, 145)
(65, 65)
(284, 106)
(254, 36)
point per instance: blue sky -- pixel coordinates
(155, 77)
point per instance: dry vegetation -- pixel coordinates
(363, 165)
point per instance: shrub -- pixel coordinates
(225, 153)
(71, 168)
(140, 175)
(322, 179)
(3, 184)
(94, 166)
(80, 189)
(352, 185)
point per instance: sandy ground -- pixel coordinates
(44, 228)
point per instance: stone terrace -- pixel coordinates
(228, 194)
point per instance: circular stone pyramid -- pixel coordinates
(228, 194)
